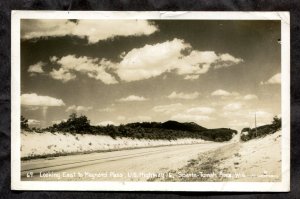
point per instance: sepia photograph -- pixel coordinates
(150, 101)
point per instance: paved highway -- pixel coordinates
(125, 165)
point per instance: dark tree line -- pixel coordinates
(261, 131)
(170, 130)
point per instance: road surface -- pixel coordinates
(125, 165)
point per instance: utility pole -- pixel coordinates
(255, 124)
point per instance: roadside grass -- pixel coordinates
(204, 168)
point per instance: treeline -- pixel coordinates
(170, 130)
(261, 131)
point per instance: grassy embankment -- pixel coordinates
(256, 159)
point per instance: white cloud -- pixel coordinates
(93, 30)
(232, 106)
(276, 79)
(92, 67)
(195, 114)
(224, 93)
(201, 110)
(187, 96)
(62, 74)
(53, 59)
(250, 97)
(150, 60)
(75, 108)
(191, 77)
(132, 98)
(220, 92)
(190, 118)
(154, 60)
(33, 99)
(228, 60)
(143, 63)
(168, 108)
(33, 122)
(36, 68)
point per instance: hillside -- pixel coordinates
(258, 160)
(170, 130)
(33, 144)
(261, 131)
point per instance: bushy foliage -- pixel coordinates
(261, 131)
(166, 131)
(24, 123)
(75, 124)
(276, 123)
(170, 130)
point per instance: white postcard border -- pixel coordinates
(17, 184)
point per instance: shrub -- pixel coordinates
(75, 124)
(261, 131)
(24, 123)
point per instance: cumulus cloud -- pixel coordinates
(154, 60)
(132, 98)
(228, 60)
(75, 108)
(250, 97)
(182, 117)
(92, 67)
(33, 122)
(167, 109)
(93, 30)
(187, 96)
(62, 74)
(194, 114)
(33, 99)
(53, 59)
(143, 63)
(223, 93)
(220, 92)
(232, 106)
(36, 68)
(191, 77)
(201, 110)
(276, 79)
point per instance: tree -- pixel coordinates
(276, 123)
(24, 123)
(78, 124)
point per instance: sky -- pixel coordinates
(215, 73)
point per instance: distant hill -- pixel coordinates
(169, 130)
(171, 125)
